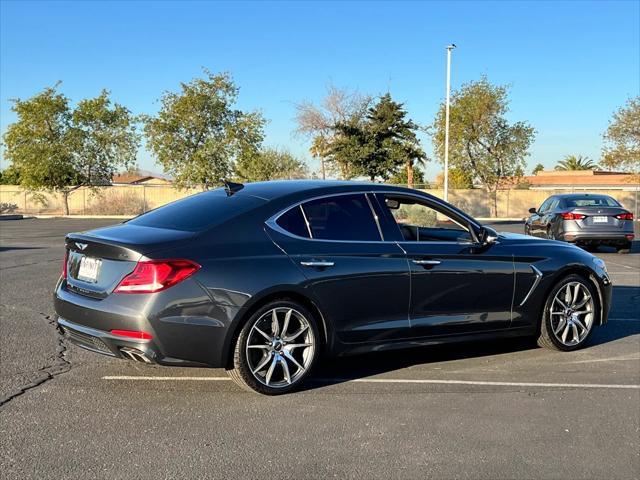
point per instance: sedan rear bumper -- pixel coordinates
(105, 343)
(607, 237)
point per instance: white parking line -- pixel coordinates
(164, 379)
(622, 265)
(624, 358)
(396, 380)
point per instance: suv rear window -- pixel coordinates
(197, 212)
(341, 217)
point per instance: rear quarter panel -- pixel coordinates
(240, 267)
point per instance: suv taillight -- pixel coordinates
(155, 275)
(64, 265)
(625, 216)
(572, 216)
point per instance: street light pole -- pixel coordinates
(446, 125)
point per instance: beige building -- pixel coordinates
(134, 178)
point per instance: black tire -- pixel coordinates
(241, 372)
(624, 248)
(547, 338)
(550, 234)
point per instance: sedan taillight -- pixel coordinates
(155, 275)
(135, 334)
(64, 265)
(572, 216)
(625, 216)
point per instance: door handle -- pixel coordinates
(317, 263)
(427, 262)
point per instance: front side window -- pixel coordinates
(419, 222)
(545, 205)
(341, 217)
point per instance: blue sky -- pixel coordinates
(570, 65)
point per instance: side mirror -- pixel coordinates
(488, 236)
(533, 210)
(392, 203)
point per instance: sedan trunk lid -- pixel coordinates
(599, 218)
(99, 259)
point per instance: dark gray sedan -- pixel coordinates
(263, 278)
(585, 219)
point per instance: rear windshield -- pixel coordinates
(197, 212)
(591, 201)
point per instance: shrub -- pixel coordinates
(417, 215)
(8, 207)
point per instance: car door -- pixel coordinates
(547, 217)
(360, 281)
(457, 286)
(536, 226)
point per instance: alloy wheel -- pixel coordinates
(280, 347)
(572, 314)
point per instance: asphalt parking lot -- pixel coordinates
(486, 410)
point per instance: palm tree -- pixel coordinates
(319, 149)
(576, 162)
(411, 165)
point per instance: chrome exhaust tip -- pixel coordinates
(135, 355)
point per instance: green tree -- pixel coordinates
(381, 144)
(59, 149)
(271, 164)
(458, 179)
(481, 139)
(622, 139)
(10, 176)
(104, 139)
(198, 135)
(349, 146)
(538, 168)
(576, 162)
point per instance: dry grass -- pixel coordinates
(117, 204)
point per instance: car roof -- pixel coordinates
(573, 195)
(283, 188)
(284, 193)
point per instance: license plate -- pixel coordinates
(89, 268)
(600, 219)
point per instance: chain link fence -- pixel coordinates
(136, 199)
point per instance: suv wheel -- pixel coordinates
(570, 314)
(276, 348)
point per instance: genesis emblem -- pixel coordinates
(81, 246)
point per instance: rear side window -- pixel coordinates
(197, 212)
(342, 217)
(293, 222)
